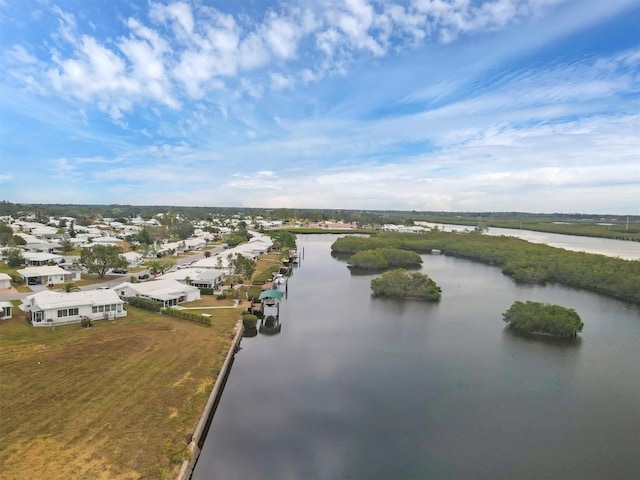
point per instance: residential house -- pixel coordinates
(35, 244)
(48, 275)
(5, 281)
(6, 310)
(108, 241)
(169, 292)
(57, 308)
(133, 258)
(39, 259)
(172, 248)
(197, 277)
(195, 243)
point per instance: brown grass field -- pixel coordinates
(116, 401)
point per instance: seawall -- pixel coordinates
(200, 432)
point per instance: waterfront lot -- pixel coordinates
(118, 400)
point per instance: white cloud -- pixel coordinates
(282, 36)
(280, 81)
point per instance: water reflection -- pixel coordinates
(362, 387)
(250, 332)
(560, 342)
(342, 257)
(270, 325)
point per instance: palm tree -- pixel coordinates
(70, 287)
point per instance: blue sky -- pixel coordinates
(454, 105)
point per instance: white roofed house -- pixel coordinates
(48, 275)
(133, 258)
(39, 259)
(38, 245)
(168, 292)
(45, 231)
(5, 281)
(57, 308)
(6, 310)
(195, 243)
(172, 248)
(110, 241)
(197, 277)
(217, 261)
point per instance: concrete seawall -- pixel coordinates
(200, 432)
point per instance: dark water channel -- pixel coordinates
(360, 387)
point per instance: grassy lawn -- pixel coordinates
(119, 400)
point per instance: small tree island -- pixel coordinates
(543, 319)
(403, 284)
(383, 258)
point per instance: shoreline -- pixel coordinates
(202, 427)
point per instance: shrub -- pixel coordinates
(206, 291)
(146, 303)
(249, 320)
(192, 317)
(85, 322)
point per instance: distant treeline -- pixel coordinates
(523, 261)
(621, 227)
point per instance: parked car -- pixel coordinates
(120, 270)
(143, 276)
(183, 265)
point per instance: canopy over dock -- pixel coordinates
(277, 294)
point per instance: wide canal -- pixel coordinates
(361, 387)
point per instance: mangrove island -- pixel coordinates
(543, 319)
(400, 283)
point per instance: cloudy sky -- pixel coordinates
(458, 105)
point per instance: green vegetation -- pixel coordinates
(192, 317)
(145, 303)
(70, 287)
(541, 318)
(605, 226)
(242, 266)
(249, 320)
(402, 284)
(13, 257)
(524, 261)
(159, 266)
(283, 239)
(100, 258)
(383, 258)
(233, 240)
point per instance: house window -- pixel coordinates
(101, 308)
(94, 309)
(62, 313)
(107, 308)
(73, 311)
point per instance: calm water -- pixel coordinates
(358, 387)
